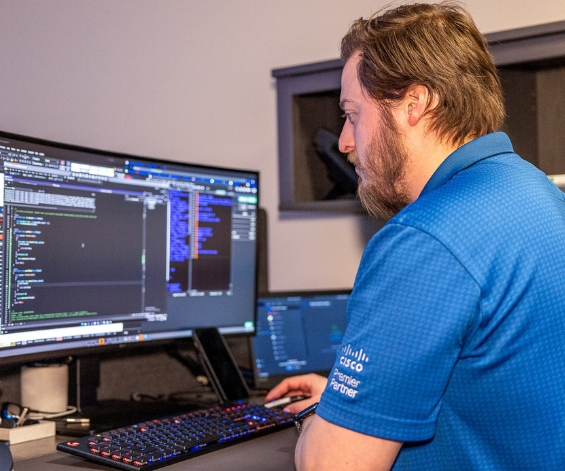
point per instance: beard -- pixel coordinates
(381, 189)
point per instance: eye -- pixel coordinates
(348, 116)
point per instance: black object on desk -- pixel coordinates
(270, 452)
(158, 443)
(6, 462)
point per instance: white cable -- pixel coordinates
(38, 415)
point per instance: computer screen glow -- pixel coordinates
(101, 248)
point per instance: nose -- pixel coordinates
(346, 141)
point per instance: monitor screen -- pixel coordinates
(297, 332)
(100, 248)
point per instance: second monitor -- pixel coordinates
(297, 333)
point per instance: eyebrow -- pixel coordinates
(343, 102)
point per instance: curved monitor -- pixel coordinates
(102, 249)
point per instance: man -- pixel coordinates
(454, 354)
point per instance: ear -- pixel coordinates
(417, 101)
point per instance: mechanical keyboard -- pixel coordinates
(157, 443)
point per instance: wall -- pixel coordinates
(191, 80)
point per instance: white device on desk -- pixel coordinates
(45, 387)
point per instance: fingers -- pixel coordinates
(280, 390)
(308, 385)
(294, 385)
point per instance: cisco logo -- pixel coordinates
(353, 359)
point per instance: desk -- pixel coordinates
(273, 452)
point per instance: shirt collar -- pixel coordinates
(478, 149)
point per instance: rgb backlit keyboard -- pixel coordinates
(157, 443)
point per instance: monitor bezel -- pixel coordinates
(64, 354)
(262, 383)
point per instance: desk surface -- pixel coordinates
(273, 452)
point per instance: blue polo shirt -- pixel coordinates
(456, 324)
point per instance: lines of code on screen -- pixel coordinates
(75, 255)
(200, 242)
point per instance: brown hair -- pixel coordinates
(438, 46)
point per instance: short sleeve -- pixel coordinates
(412, 306)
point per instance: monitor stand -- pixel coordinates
(220, 365)
(84, 379)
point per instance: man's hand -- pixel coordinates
(310, 385)
(325, 446)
